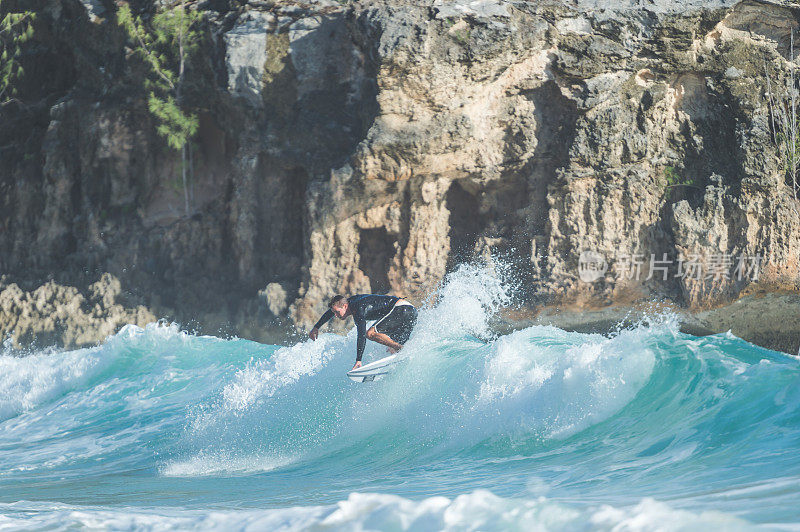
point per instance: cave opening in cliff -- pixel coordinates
(556, 117)
(465, 224)
(376, 250)
(280, 239)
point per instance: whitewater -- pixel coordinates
(647, 428)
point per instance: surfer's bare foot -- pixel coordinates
(392, 350)
(358, 365)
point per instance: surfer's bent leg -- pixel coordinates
(382, 339)
(398, 324)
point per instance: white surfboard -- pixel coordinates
(368, 372)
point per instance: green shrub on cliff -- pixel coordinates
(785, 129)
(165, 44)
(674, 178)
(783, 101)
(16, 28)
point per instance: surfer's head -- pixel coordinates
(339, 306)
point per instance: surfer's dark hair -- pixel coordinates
(335, 300)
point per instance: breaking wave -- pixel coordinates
(540, 427)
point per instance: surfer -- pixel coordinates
(395, 319)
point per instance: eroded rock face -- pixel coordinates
(371, 146)
(560, 131)
(60, 314)
(246, 50)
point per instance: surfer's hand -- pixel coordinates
(314, 333)
(358, 365)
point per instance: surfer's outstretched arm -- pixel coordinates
(322, 321)
(361, 342)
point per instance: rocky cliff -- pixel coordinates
(371, 146)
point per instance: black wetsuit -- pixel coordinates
(396, 321)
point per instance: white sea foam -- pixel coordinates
(479, 510)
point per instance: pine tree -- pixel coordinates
(165, 45)
(16, 28)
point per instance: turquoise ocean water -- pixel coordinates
(539, 429)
